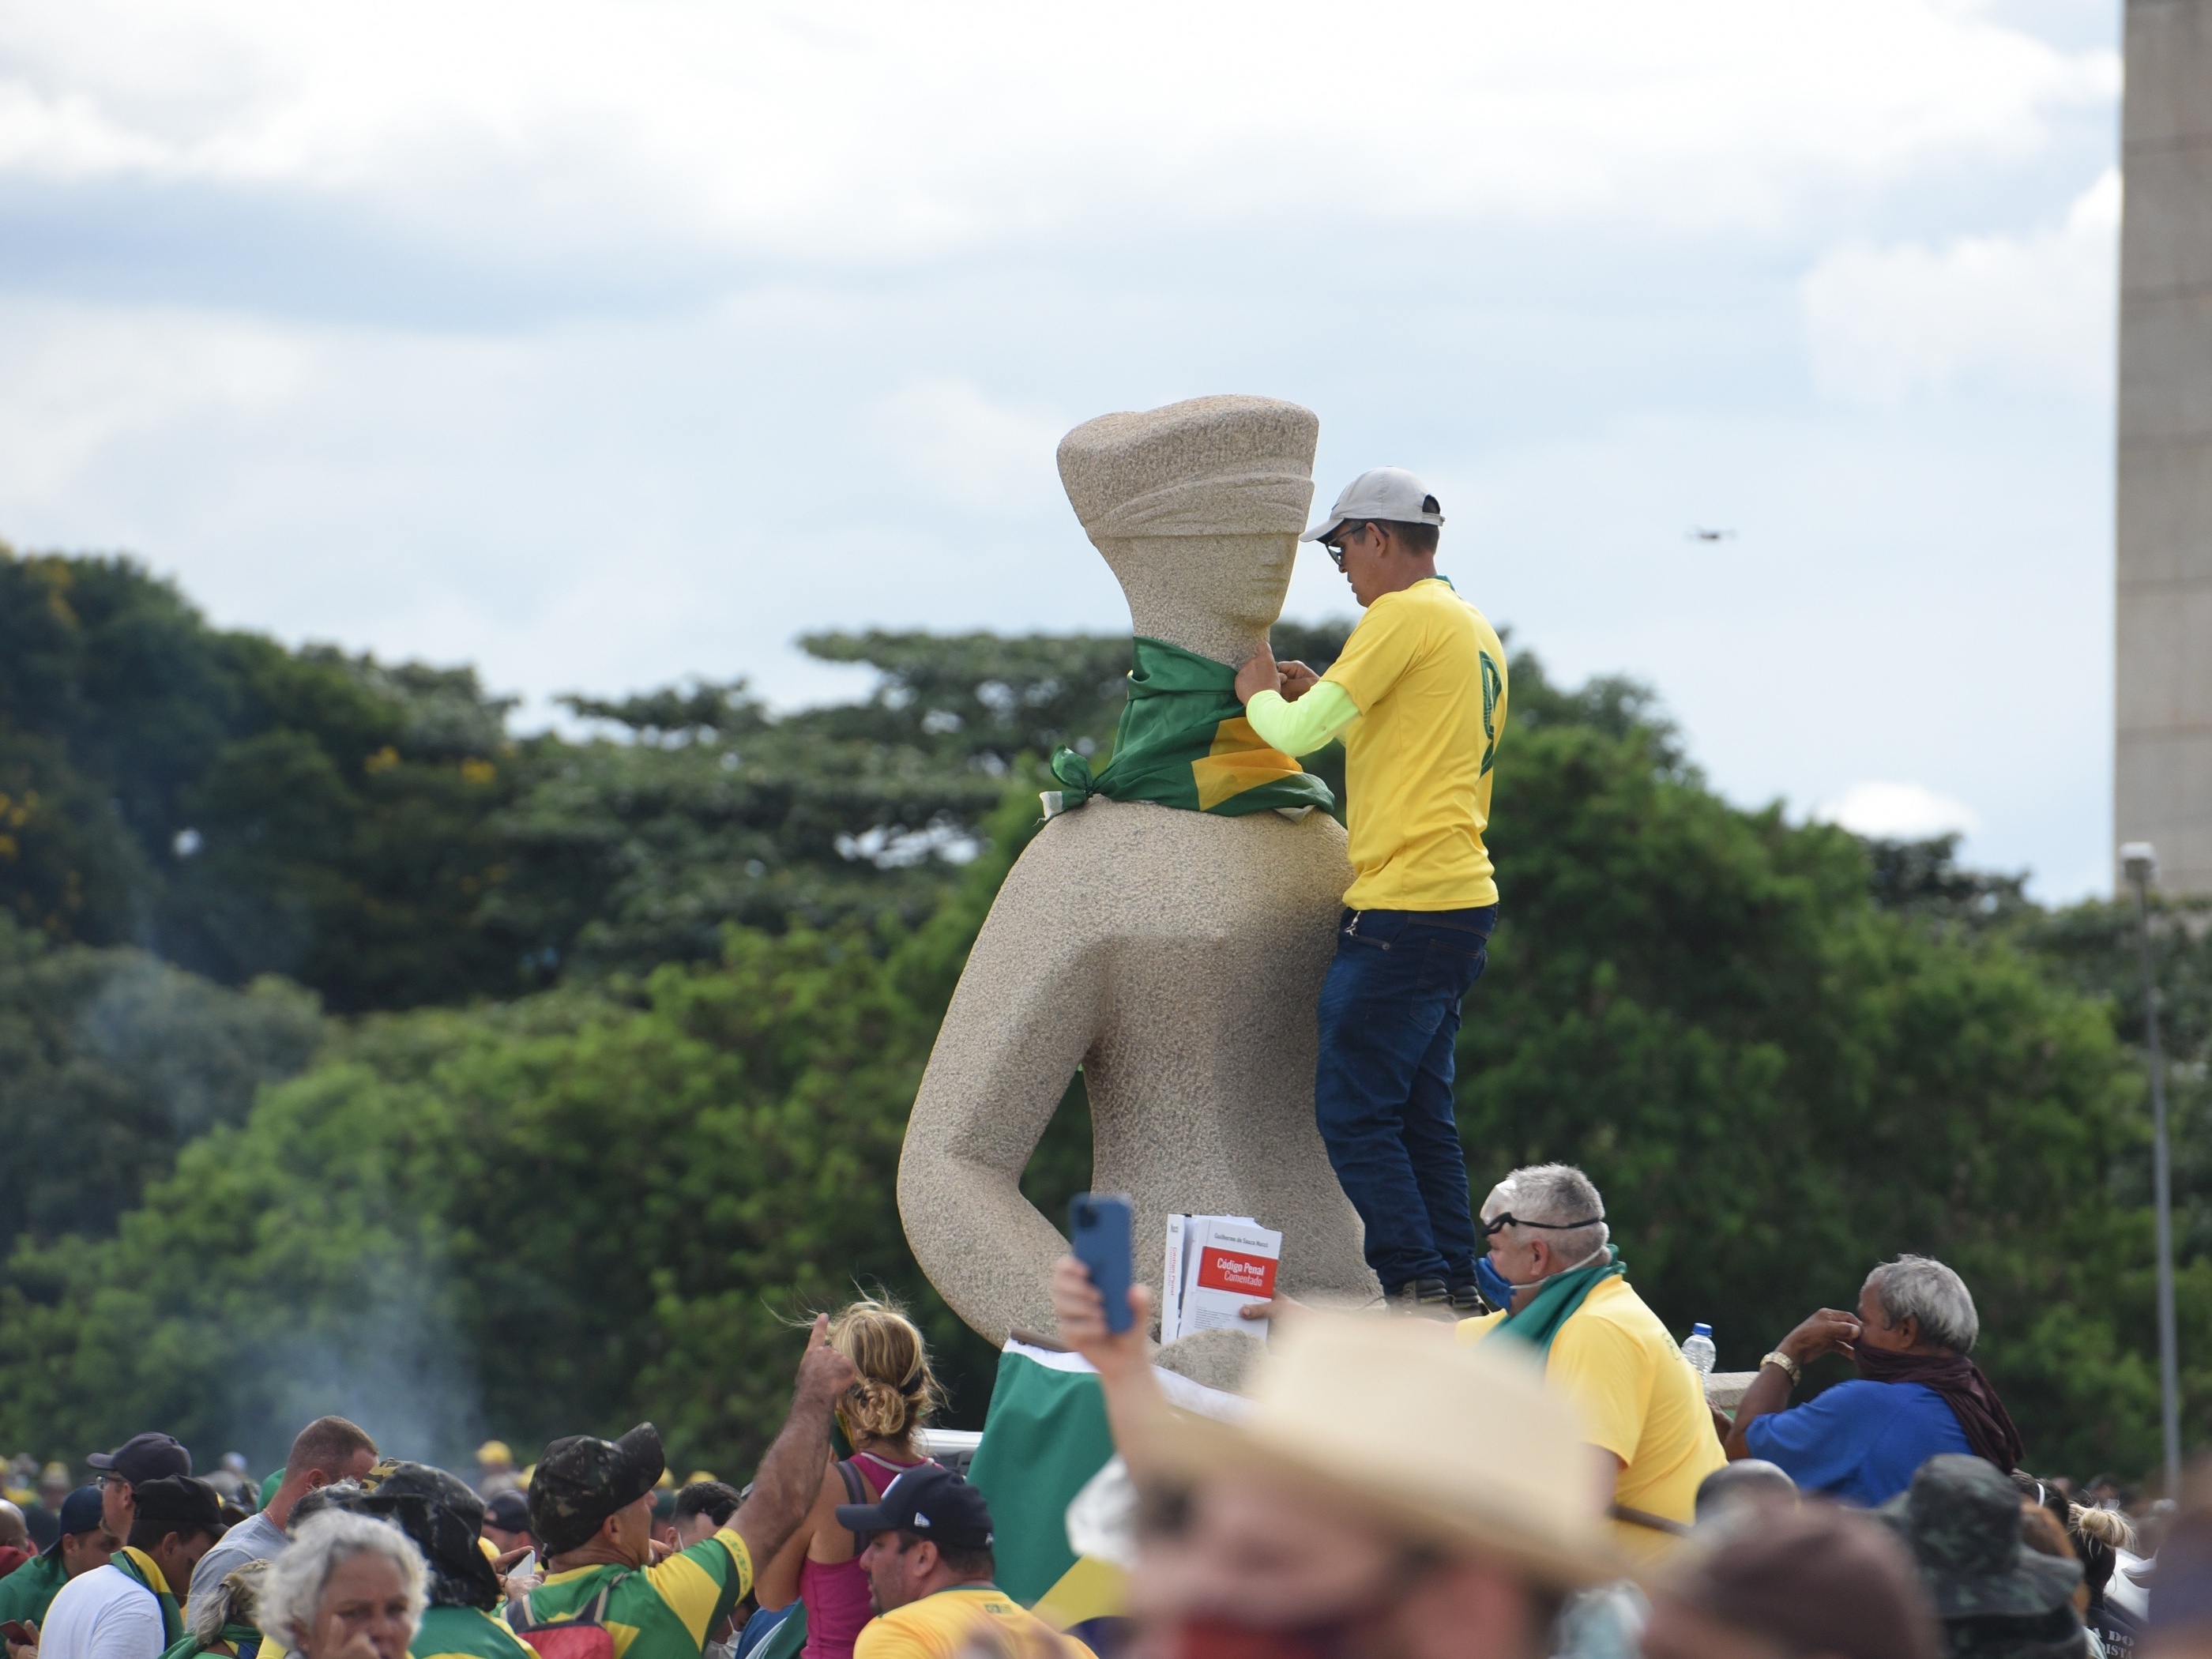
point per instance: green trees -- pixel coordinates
(1778, 1083)
(575, 1210)
(110, 1061)
(628, 1025)
(239, 809)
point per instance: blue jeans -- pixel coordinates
(1383, 1090)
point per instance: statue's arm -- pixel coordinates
(1024, 1015)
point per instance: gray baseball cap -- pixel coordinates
(1382, 492)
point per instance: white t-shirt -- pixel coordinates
(102, 1614)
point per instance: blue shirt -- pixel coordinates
(1861, 1441)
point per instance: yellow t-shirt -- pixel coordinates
(1639, 1401)
(937, 1627)
(1428, 673)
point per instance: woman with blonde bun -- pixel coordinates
(897, 1395)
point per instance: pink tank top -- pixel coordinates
(836, 1592)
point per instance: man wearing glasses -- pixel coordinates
(1419, 697)
(118, 1474)
(1562, 1291)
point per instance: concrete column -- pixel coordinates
(2162, 753)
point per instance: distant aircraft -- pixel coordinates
(1699, 533)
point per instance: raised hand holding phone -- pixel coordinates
(1098, 1229)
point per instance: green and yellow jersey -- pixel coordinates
(660, 1612)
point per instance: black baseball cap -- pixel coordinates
(931, 1501)
(178, 1504)
(80, 1514)
(145, 1458)
(582, 1479)
(508, 1510)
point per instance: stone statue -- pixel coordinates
(1175, 956)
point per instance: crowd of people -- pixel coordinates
(1512, 1458)
(1547, 1480)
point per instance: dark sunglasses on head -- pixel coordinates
(1491, 1229)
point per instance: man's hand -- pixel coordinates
(1295, 679)
(1258, 675)
(25, 1649)
(790, 1476)
(1827, 1332)
(1082, 1314)
(824, 1374)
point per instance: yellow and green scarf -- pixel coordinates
(137, 1563)
(1183, 741)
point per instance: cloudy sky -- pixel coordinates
(602, 344)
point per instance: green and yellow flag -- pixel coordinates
(1183, 741)
(1045, 1441)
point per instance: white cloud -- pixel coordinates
(80, 380)
(343, 354)
(1884, 322)
(882, 130)
(947, 436)
(1897, 811)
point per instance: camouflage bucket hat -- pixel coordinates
(1962, 1519)
(582, 1479)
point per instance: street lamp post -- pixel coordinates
(2140, 861)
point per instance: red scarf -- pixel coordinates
(1964, 1390)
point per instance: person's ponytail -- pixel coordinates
(896, 1393)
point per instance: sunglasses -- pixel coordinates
(1335, 549)
(1491, 1229)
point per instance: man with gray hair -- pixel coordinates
(1564, 1290)
(1916, 1394)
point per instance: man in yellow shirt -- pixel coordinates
(1419, 697)
(1567, 1295)
(929, 1565)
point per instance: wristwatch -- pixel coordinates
(1778, 1358)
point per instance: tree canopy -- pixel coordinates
(625, 1023)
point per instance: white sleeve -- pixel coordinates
(128, 1627)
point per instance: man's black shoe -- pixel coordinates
(1466, 1301)
(1431, 1298)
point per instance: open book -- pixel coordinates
(1216, 1265)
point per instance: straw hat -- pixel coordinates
(1460, 1447)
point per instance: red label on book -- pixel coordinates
(1232, 1270)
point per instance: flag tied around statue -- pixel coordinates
(1217, 1267)
(1183, 741)
(1046, 1444)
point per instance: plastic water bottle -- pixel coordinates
(1700, 1350)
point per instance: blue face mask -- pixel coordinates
(1496, 1289)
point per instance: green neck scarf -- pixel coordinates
(137, 1563)
(1183, 741)
(243, 1639)
(1538, 1323)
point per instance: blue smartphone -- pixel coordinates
(1099, 1235)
